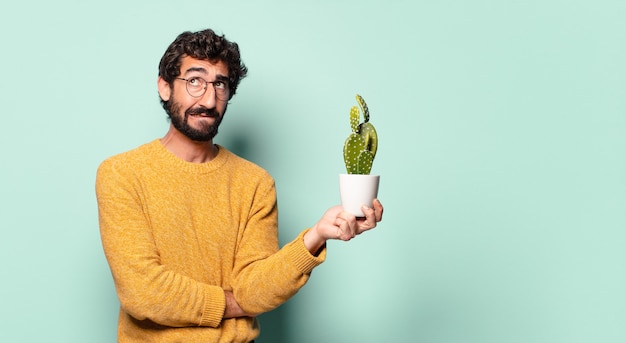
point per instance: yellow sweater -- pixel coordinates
(177, 234)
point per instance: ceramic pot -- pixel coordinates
(357, 190)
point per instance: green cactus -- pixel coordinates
(360, 147)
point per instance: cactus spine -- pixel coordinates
(360, 147)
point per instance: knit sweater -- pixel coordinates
(177, 235)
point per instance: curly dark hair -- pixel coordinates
(205, 45)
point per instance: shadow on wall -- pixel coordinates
(272, 326)
(239, 146)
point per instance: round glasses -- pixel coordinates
(197, 86)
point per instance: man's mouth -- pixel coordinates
(205, 113)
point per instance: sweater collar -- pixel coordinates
(173, 161)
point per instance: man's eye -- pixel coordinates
(195, 82)
(220, 84)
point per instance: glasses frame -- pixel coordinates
(206, 85)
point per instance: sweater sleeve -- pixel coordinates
(267, 284)
(147, 290)
(265, 279)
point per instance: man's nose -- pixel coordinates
(208, 99)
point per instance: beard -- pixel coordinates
(204, 133)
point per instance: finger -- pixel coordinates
(354, 226)
(378, 209)
(369, 222)
(341, 228)
(347, 227)
(343, 232)
(347, 216)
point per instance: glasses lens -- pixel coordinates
(196, 86)
(221, 90)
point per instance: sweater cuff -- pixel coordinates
(214, 307)
(301, 257)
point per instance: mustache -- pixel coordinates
(209, 112)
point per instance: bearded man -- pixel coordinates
(189, 229)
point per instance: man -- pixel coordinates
(189, 229)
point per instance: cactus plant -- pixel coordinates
(360, 147)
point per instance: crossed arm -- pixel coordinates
(334, 224)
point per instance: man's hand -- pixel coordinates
(232, 307)
(338, 224)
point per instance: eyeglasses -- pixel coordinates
(197, 86)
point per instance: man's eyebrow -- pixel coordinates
(196, 69)
(221, 77)
(204, 71)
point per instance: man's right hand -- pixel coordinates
(233, 309)
(338, 224)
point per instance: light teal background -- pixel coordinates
(502, 157)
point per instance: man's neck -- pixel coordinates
(186, 149)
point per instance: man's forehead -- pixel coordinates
(190, 64)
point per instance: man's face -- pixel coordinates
(197, 117)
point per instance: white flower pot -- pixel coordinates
(357, 190)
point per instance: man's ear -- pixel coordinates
(165, 91)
